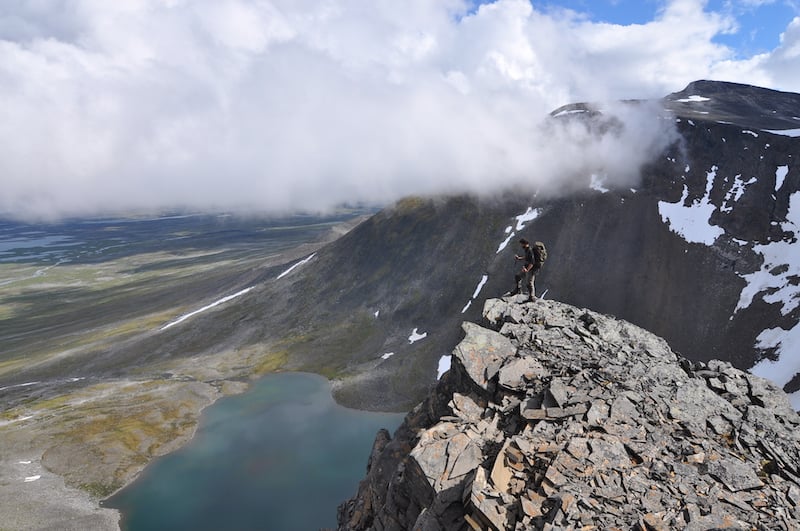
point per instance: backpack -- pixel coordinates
(540, 252)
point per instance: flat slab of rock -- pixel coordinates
(482, 353)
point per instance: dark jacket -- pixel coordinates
(529, 258)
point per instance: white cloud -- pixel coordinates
(649, 58)
(285, 104)
(779, 69)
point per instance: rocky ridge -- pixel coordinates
(554, 417)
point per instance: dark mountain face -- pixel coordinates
(676, 255)
(355, 306)
(742, 105)
(703, 252)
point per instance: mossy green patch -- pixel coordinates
(53, 404)
(12, 364)
(8, 311)
(101, 490)
(273, 362)
(333, 349)
(410, 203)
(141, 433)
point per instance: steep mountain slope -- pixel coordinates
(702, 252)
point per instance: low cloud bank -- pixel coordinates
(285, 105)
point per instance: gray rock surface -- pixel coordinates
(569, 419)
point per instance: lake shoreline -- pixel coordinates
(74, 432)
(50, 502)
(207, 428)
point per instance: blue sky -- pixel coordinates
(276, 105)
(760, 22)
(760, 26)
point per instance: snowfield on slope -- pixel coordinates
(298, 264)
(773, 282)
(416, 336)
(522, 220)
(444, 366)
(204, 308)
(693, 222)
(776, 283)
(481, 283)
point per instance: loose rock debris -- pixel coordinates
(554, 417)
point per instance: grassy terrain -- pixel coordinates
(89, 381)
(57, 314)
(71, 308)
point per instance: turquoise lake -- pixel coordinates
(280, 457)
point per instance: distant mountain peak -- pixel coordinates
(735, 103)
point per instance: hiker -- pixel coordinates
(532, 263)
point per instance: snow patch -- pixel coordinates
(781, 371)
(750, 133)
(32, 478)
(692, 222)
(694, 98)
(14, 421)
(781, 264)
(27, 384)
(478, 289)
(570, 111)
(377, 314)
(597, 183)
(735, 192)
(773, 283)
(204, 308)
(522, 219)
(482, 283)
(529, 215)
(444, 366)
(780, 175)
(504, 243)
(794, 398)
(387, 355)
(784, 132)
(416, 336)
(298, 264)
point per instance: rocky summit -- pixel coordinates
(555, 417)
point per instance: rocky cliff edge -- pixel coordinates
(554, 417)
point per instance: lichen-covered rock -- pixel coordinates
(568, 419)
